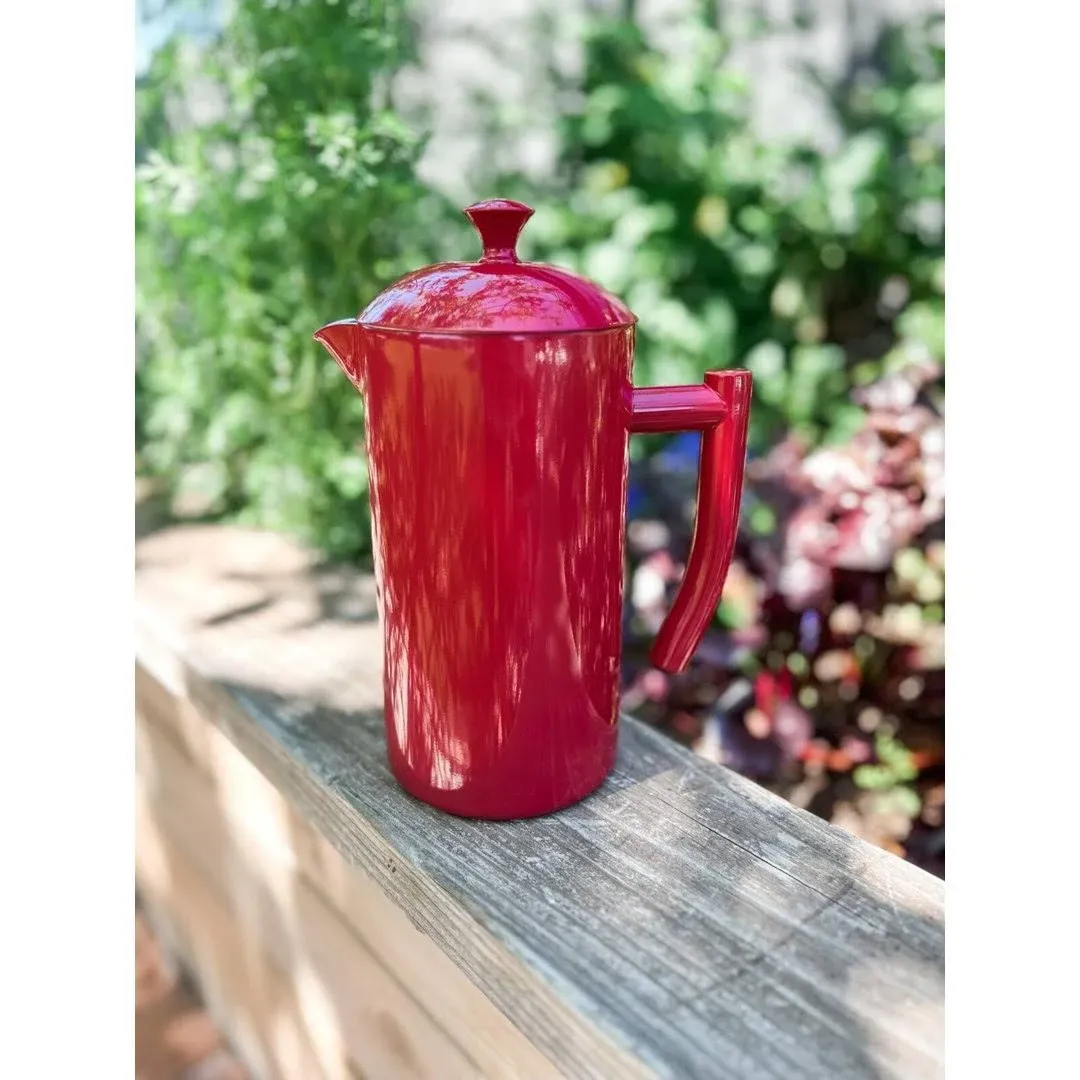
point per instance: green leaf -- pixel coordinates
(350, 474)
(845, 421)
(925, 323)
(855, 167)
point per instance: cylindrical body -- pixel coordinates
(498, 469)
(499, 410)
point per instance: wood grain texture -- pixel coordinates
(681, 922)
(355, 1009)
(243, 991)
(308, 907)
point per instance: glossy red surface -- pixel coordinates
(497, 294)
(498, 470)
(498, 490)
(720, 479)
(498, 475)
(675, 408)
(499, 223)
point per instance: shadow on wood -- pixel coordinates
(681, 922)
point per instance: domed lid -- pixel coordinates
(497, 294)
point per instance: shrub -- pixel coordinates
(293, 206)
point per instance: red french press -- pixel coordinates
(499, 407)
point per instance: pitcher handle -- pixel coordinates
(720, 409)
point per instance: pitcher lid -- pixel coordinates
(498, 293)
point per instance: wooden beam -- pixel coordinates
(299, 895)
(682, 922)
(250, 998)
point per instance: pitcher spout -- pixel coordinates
(341, 340)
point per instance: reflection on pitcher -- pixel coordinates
(499, 407)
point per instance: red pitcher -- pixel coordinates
(499, 408)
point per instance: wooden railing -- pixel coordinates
(682, 922)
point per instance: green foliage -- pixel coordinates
(816, 270)
(294, 207)
(300, 201)
(891, 777)
(895, 765)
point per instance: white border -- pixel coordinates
(67, 522)
(1013, 707)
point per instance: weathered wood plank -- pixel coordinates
(682, 920)
(243, 991)
(345, 995)
(294, 888)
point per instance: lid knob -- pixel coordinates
(499, 222)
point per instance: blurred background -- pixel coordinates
(762, 181)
